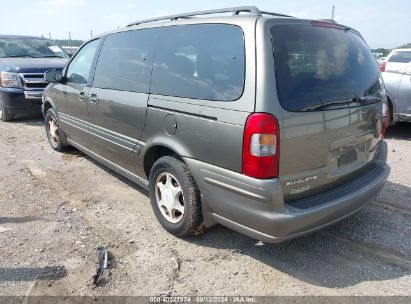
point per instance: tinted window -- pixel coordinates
(125, 61)
(403, 57)
(316, 65)
(201, 62)
(79, 69)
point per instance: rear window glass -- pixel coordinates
(401, 56)
(316, 65)
(201, 62)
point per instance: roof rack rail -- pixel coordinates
(276, 14)
(235, 10)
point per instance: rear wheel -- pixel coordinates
(390, 120)
(175, 197)
(4, 114)
(55, 135)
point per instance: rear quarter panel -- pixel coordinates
(214, 136)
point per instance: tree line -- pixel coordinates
(385, 51)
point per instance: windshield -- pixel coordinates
(30, 47)
(317, 65)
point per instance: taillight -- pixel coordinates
(261, 146)
(383, 65)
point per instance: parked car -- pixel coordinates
(396, 60)
(398, 87)
(23, 62)
(270, 125)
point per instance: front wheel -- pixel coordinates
(175, 197)
(55, 135)
(4, 114)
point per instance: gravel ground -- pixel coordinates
(56, 208)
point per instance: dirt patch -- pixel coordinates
(57, 208)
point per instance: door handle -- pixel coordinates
(94, 98)
(82, 96)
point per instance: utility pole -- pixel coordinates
(332, 14)
(71, 45)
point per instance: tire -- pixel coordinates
(4, 114)
(390, 121)
(55, 134)
(173, 174)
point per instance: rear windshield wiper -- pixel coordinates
(356, 101)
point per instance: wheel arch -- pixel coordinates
(47, 104)
(392, 108)
(161, 147)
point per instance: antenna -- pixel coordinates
(332, 14)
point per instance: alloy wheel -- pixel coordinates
(1, 108)
(53, 131)
(169, 196)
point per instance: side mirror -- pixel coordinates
(54, 76)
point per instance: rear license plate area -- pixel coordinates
(347, 158)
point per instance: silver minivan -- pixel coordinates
(270, 125)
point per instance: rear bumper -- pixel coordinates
(256, 208)
(19, 101)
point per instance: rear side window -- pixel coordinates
(316, 65)
(125, 61)
(401, 57)
(201, 62)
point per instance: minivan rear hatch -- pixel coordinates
(330, 88)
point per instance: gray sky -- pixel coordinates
(382, 23)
